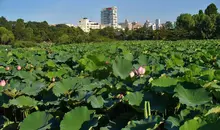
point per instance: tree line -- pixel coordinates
(204, 25)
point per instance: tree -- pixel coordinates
(185, 21)
(5, 23)
(19, 30)
(64, 39)
(6, 36)
(211, 10)
(29, 34)
(108, 32)
(204, 27)
(168, 25)
(217, 23)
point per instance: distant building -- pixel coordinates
(136, 25)
(154, 26)
(148, 24)
(52, 24)
(158, 24)
(174, 24)
(109, 17)
(126, 24)
(70, 25)
(85, 24)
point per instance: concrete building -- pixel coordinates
(154, 26)
(126, 24)
(109, 17)
(70, 25)
(136, 25)
(174, 24)
(158, 24)
(148, 24)
(85, 24)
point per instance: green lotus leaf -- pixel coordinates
(34, 89)
(142, 60)
(178, 61)
(96, 102)
(62, 57)
(64, 86)
(2, 70)
(218, 63)
(128, 56)
(214, 110)
(192, 97)
(164, 82)
(37, 121)
(26, 76)
(172, 123)
(74, 119)
(23, 101)
(150, 123)
(193, 124)
(211, 126)
(122, 68)
(134, 98)
(17, 85)
(51, 63)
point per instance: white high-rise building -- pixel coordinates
(109, 17)
(86, 25)
(154, 26)
(157, 24)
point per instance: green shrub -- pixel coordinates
(24, 44)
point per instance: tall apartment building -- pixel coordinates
(109, 16)
(85, 24)
(157, 24)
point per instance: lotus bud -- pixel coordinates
(132, 74)
(19, 67)
(120, 96)
(7, 68)
(136, 72)
(53, 79)
(150, 80)
(2, 83)
(163, 75)
(141, 70)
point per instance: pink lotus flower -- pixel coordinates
(2, 83)
(19, 67)
(141, 70)
(132, 74)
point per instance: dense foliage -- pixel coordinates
(111, 86)
(204, 25)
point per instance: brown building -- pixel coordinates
(136, 25)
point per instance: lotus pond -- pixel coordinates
(137, 85)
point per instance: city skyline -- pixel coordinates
(56, 11)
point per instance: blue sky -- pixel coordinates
(71, 11)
